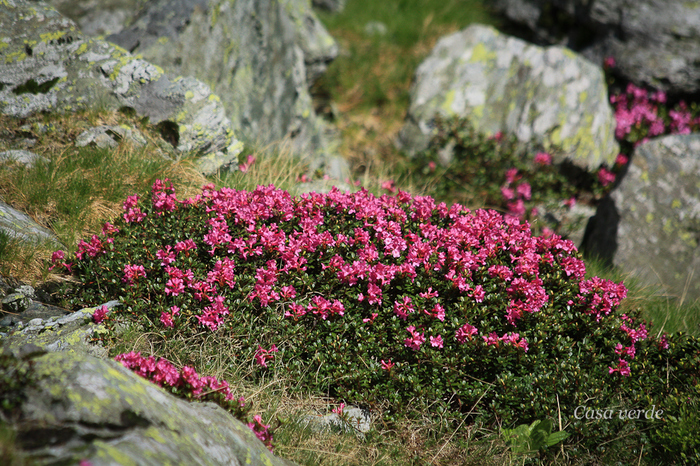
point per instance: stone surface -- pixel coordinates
(355, 420)
(654, 42)
(650, 224)
(85, 408)
(19, 225)
(548, 95)
(109, 137)
(24, 157)
(257, 55)
(47, 64)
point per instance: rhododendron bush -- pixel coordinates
(391, 301)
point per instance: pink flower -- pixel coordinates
(167, 319)
(621, 159)
(416, 339)
(262, 356)
(338, 409)
(622, 368)
(524, 190)
(605, 176)
(132, 273)
(387, 365)
(507, 193)
(465, 333)
(663, 342)
(512, 175)
(245, 166)
(542, 158)
(99, 315)
(436, 342)
(389, 186)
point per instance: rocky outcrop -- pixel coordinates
(650, 224)
(654, 42)
(21, 226)
(77, 406)
(48, 65)
(259, 56)
(503, 84)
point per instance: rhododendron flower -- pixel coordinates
(132, 273)
(389, 186)
(524, 190)
(609, 62)
(465, 333)
(516, 208)
(605, 176)
(415, 340)
(621, 159)
(261, 431)
(338, 409)
(436, 342)
(512, 175)
(370, 319)
(262, 356)
(100, 313)
(542, 158)
(387, 365)
(507, 193)
(622, 368)
(166, 319)
(245, 166)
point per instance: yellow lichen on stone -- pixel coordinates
(163, 40)
(676, 203)
(650, 217)
(265, 459)
(481, 53)
(49, 36)
(112, 455)
(645, 176)
(15, 56)
(189, 95)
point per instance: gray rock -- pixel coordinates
(253, 53)
(650, 224)
(15, 303)
(654, 42)
(109, 137)
(336, 6)
(502, 84)
(25, 157)
(355, 420)
(87, 409)
(49, 65)
(19, 225)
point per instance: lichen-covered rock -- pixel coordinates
(24, 157)
(47, 64)
(105, 136)
(19, 225)
(253, 53)
(650, 224)
(654, 42)
(335, 6)
(81, 408)
(503, 84)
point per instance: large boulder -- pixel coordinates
(654, 42)
(650, 224)
(259, 56)
(77, 406)
(48, 65)
(503, 84)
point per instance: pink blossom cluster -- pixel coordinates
(57, 259)
(164, 374)
(262, 356)
(132, 213)
(514, 339)
(276, 240)
(639, 108)
(516, 192)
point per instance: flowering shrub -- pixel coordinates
(391, 300)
